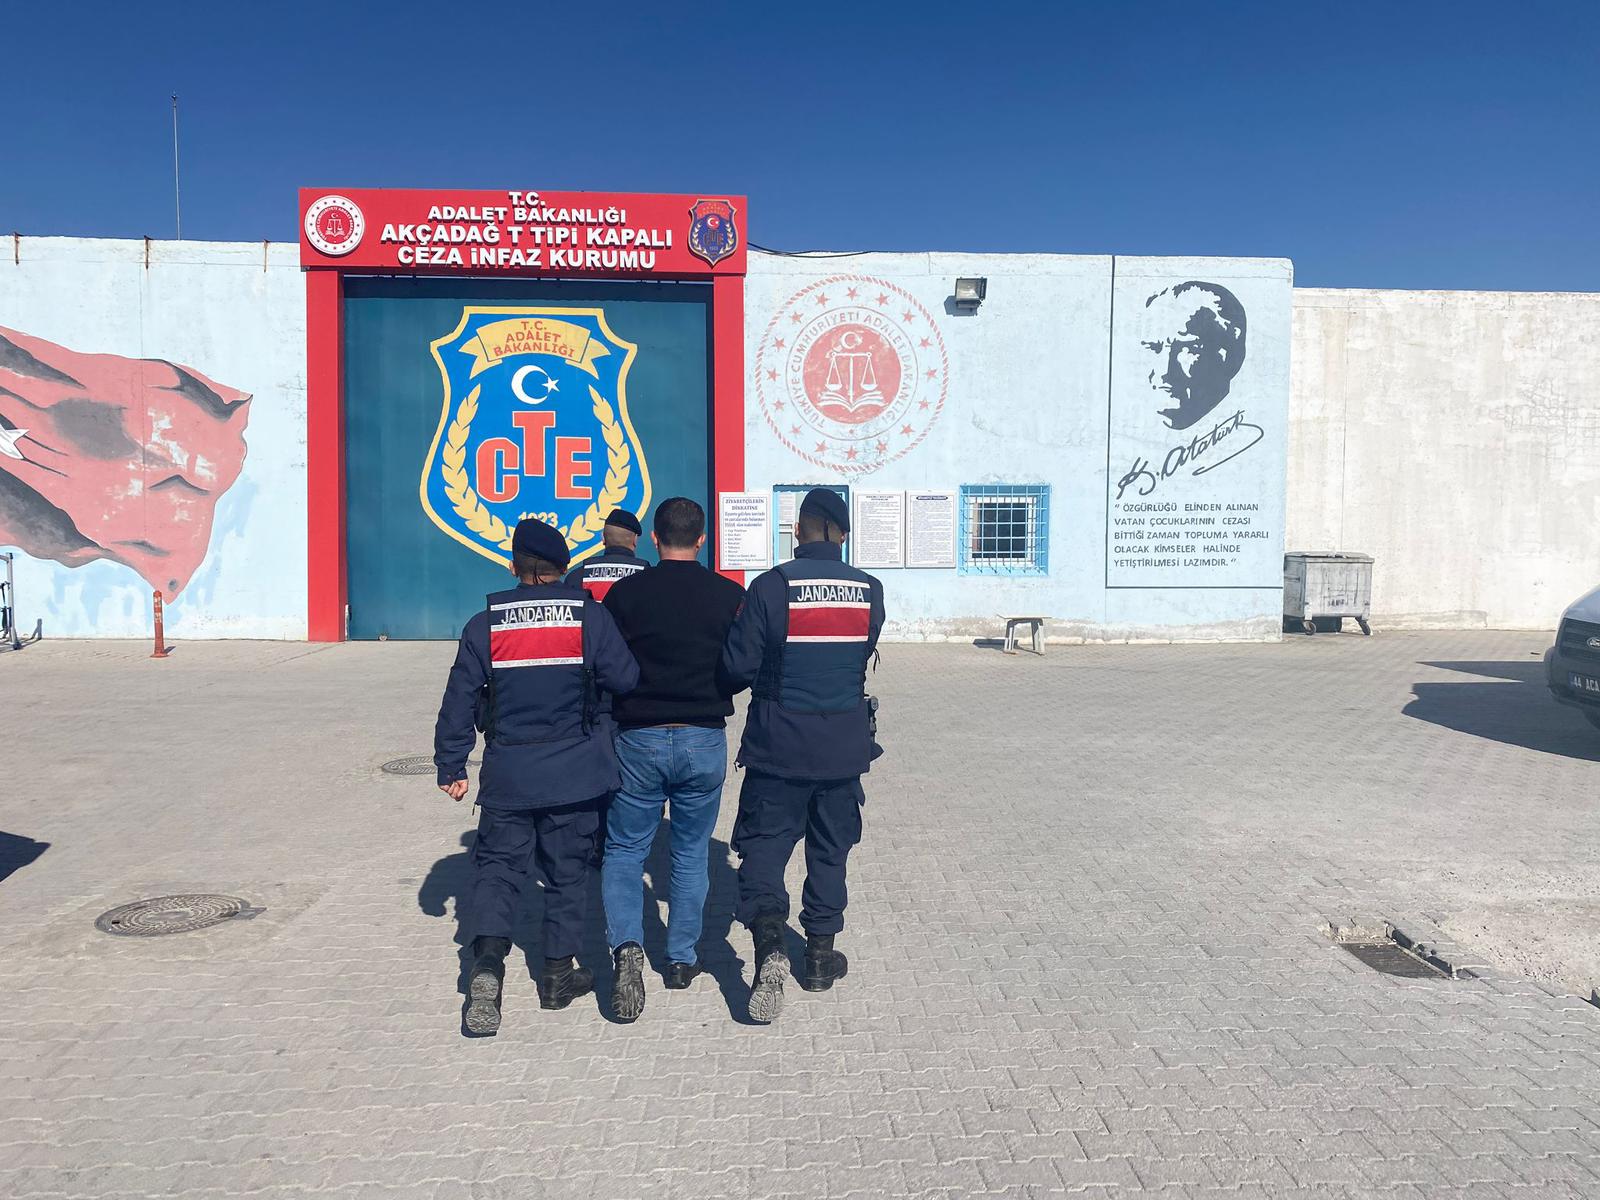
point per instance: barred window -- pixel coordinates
(1005, 529)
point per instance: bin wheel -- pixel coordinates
(1366, 629)
(1309, 626)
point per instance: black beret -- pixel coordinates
(623, 519)
(538, 540)
(826, 504)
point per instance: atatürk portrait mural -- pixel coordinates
(1195, 335)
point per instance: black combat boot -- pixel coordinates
(485, 982)
(561, 982)
(824, 964)
(627, 982)
(772, 968)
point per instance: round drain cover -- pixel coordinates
(169, 914)
(416, 764)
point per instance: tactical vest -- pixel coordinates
(601, 573)
(819, 665)
(541, 688)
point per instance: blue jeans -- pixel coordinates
(682, 767)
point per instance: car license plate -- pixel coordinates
(1583, 683)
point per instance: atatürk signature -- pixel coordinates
(1147, 477)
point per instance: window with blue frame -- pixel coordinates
(1005, 529)
(786, 499)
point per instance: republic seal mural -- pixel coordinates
(534, 423)
(851, 373)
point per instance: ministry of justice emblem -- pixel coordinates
(851, 373)
(534, 424)
(713, 230)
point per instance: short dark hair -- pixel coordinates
(527, 566)
(810, 527)
(679, 522)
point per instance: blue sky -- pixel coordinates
(1414, 145)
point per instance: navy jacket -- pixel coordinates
(518, 774)
(600, 574)
(802, 642)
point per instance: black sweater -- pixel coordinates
(674, 617)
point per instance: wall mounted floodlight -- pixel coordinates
(970, 292)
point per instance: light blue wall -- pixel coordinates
(234, 312)
(1041, 384)
(1037, 378)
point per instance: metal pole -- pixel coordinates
(177, 201)
(161, 648)
(8, 607)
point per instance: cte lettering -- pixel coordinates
(503, 463)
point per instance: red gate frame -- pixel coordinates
(375, 232)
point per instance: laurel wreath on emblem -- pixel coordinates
(478, 519)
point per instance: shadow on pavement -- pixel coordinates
(449, 883)
(450, 880)
(17, 852)
(1515, 709)
(718, 955)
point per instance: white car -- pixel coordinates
(1572, 665)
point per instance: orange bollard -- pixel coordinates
(161, 650)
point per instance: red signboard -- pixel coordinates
(557, 234)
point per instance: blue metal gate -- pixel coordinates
(470, 403)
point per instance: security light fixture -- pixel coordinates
(970, 292)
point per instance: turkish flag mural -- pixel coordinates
(105, 457)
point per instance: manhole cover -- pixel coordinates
(171, 914)
(416, 764)
(1389, 958)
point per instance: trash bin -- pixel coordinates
(1321, 590)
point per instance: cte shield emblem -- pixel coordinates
(534, 424)
(713, 233)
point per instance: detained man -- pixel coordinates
(672, 745)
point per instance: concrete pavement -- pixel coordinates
(1085, 942)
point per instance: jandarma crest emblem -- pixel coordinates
(851, 373)
(534, 423)
(713, 230)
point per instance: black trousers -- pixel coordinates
(560, 841)
(774, 814)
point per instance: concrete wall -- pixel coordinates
(1454, 436)
(152, 435)
(1051, 381)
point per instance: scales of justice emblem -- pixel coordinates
(851, 385)
(534, 423)
(851, 373)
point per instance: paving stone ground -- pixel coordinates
(1084, 931)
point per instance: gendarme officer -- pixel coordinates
(618, 559)
(801, 644)
(527, 673)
